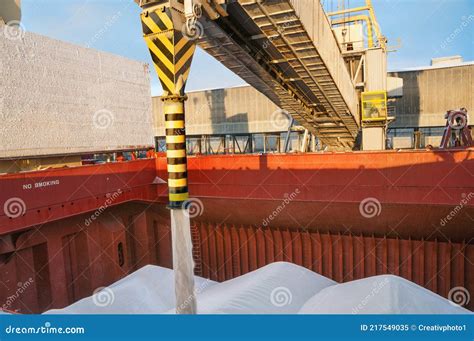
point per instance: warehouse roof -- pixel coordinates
(433, 67)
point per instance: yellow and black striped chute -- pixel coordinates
(172, 54)
(171, 51)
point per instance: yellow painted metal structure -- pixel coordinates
(370, 20)
(312, 82)
(10, 11)
(170, 50)
(374, 106)
(356, 18)
(172, 53)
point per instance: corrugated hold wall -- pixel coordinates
(63, 261)
(58, 263)
(224, 252)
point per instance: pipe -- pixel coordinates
(176, 150)
(10, 10)
(378, 33)
(349, 10)
(355, 18)
(368, 7)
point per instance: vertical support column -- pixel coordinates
(304, 143)
(288, 135)
(172, 53)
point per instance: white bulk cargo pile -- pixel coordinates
(149, 290)
(278, 288)
(384, 294)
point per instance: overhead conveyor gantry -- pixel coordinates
(286, 49)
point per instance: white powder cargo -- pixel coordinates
(278, 288)
(385, 294)
(149, 290)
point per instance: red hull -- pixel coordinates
(67, 254)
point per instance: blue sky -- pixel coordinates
(421, 29)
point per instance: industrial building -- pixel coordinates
(233, 120)
(428, 93)
(217, 117)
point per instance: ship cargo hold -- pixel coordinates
(345, 216)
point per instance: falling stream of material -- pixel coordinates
(172, 52)
(183, 263)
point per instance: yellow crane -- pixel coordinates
(10, 10)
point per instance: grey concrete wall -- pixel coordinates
(236, 110)
(58, 98)
(429, 93)
(375, 70)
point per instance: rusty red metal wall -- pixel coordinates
(417, 190)
(224, 252)
(55, 264)
(50, 249)
(75, 191)
(420, 187)
(61, 262)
